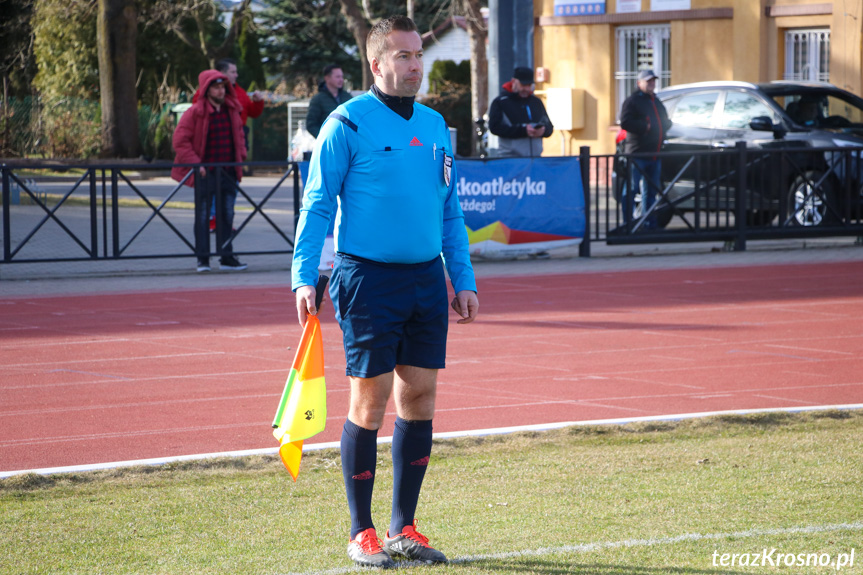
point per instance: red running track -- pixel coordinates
(99, 378)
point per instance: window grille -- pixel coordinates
(641, 48)
(807, 55)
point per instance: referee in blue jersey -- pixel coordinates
(387, 163)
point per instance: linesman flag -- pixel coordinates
(302, 410)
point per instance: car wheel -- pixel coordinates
(808, 206)
(663, 215)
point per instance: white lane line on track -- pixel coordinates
(447, 435)
(600, 545)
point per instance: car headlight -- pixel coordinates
(846, 144)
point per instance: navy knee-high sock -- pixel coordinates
(359, 456)
(412, 443)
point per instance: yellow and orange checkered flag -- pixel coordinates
(302, 410)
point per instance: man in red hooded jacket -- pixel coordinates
(211, 131)
(250, 107)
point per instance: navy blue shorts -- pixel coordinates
(390, 314)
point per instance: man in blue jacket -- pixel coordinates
(389, 163)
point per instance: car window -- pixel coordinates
(740, 108)
(821, 108)
(695, 109)
(844, 109)
(670, 104)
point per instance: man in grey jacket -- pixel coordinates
(518, 118)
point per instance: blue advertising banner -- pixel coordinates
(512, 207)
(521, 206)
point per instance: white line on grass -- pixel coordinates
(600, 545)
(447, 435)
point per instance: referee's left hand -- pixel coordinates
(466, 304)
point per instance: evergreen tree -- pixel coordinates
(304, 36)
(17, 66)
(65, 49)
(251, 66)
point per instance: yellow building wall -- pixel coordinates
(749, 62)
(582, 59)
(846, 40)
(748, 47)
(691, 58)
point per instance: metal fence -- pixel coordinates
(112, 212)
(122, 211)
(732, 195)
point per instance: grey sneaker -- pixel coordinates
(365, 550)
(413, 545)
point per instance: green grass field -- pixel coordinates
(639, 499)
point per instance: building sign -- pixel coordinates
(624, 6)
(579, 7)
(659, 5)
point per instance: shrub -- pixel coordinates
(449, 94)
(453, 103)
(71, 128)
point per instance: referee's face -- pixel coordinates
(399, 72)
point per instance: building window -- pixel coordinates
(641, 48)
(807, 55)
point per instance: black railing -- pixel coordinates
(731, 195)
(133, 211)
(74, 215)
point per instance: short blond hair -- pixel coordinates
(376, 41)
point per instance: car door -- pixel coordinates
(736, 110)
(691, 135)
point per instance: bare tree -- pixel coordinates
(478, 35)
(359, 27)
(117, 28)
(175, 15)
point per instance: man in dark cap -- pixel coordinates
(518, 118)
(646, 122)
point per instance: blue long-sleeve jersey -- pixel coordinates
(387, 175)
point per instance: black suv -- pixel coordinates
(810, 188)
